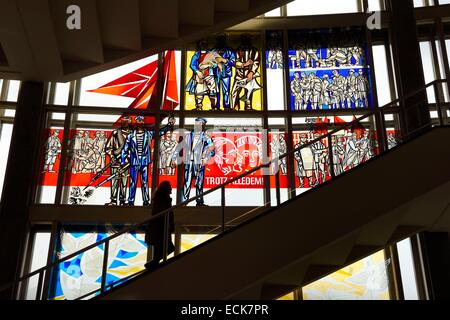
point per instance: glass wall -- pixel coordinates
(221, 105)
(319, 7)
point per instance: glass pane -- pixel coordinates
(229, 147)
(382, 75)
(5, 141)
(167, 148)
(393, 133)
(407, 270)
(288, 297)
(421, 3)
(366, 279)
(376, 5)
(312, 162)
(329, 70)
(274, 13)
(50, 164)
(121, 86)
(354, 145)
(274, 71)
(39, 256)
(62, 93)
(10, 113)
(307, 7)
(189, 241)
(13, 91)
(224, 74)
(428, 68)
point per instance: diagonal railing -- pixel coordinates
(330, 156)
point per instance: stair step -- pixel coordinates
(232, 5)
(379, 231)
(403, 232)
(316, 272)
(336, 253)
(159, 18)
(274, 291)
(360, 251)
(203, 15)
(119, 25)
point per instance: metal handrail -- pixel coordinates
(165, 212)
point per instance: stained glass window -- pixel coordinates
(50, 164)
(366, 279)
(189, 241)
(13, 90)
(234, 154)
(329, 70)
(94, 173)
(83, 273)
(129, 80)
(350, 147)
(224, 74)
(407, 269)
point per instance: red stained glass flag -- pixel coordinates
(140, 84)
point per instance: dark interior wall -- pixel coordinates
(18, 184)
(436, 253)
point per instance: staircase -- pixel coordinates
(35, 43)
(314, 234)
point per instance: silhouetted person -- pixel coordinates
(155, 230)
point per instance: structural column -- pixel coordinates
(18, 191)
(436, 255)
(406, 54)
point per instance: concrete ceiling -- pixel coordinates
(36, 45)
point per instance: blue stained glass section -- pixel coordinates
(126, 255)
(73, 267)
(328, 69)
(109, 279)
(117, 264)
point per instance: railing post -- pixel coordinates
(381, 128)
(165, 236)
(222, 191)
(39, 286)
(330, 156)
(277, 185)
(50, 258)
(438, 103)
(105, 266)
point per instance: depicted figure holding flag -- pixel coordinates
(138, 148)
